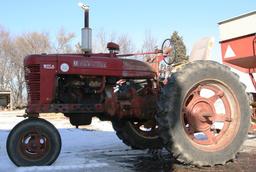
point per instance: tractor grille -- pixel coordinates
(32, 76)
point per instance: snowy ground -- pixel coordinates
(78, 145)
(76, 148)
(89, 150)
(94, 148)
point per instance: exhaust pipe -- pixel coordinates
(86, 39)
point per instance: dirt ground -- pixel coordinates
(110, 151)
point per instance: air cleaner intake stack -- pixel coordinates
(86, 39)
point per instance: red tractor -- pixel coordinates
(201, 114)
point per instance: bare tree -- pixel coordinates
(124, 41)
(28, 43)
(149, 45)
(4, 60)
(64, 42)
(13, 51)
(78, 48)
(126, 44)
(100, 42)
(31, 43)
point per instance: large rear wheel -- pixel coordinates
(33, 142)
(204, 114)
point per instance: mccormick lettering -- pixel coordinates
(89, 64)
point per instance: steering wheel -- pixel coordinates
(169, 51)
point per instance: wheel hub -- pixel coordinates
(202, 121)
(199, 114)
(34, 145)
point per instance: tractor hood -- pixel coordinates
(94, 64)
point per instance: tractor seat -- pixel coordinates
(111, 46)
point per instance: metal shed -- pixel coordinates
(5, 100)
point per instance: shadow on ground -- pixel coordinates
(161, 161)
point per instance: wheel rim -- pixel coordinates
(148, 129)
(34, 145)
(210, 115)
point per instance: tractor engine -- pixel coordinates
(72, 89)
(134, 99)
(131, 99)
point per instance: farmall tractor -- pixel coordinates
(200, 113)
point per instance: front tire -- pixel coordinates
(33, 142)
(199, 127)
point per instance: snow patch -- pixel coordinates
(63, 168)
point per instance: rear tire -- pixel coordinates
(33, 142)
(184, 113)
(135, 137)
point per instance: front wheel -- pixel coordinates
(204, 114)
(33, 142)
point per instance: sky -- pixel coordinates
(193, 19)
